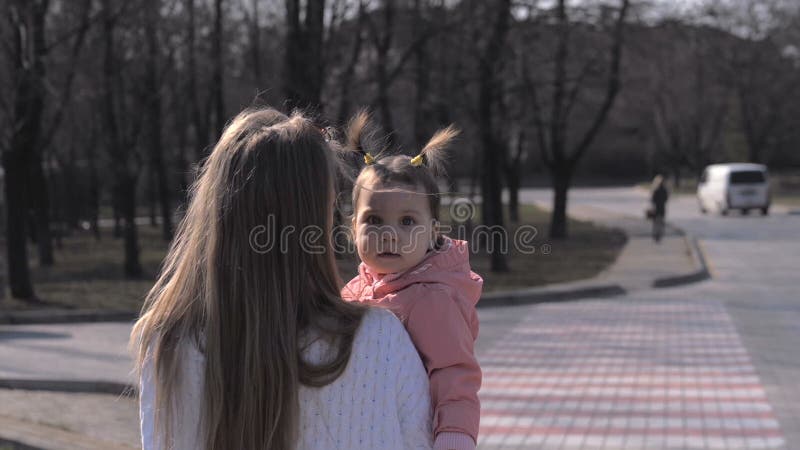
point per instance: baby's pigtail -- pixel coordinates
(354, 134)
(434, 154)
(349, 146)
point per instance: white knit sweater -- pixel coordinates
(381, 401)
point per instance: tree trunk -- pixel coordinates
(19, 279)
(27, 51)
(304, 74)
(512, 180)
(39, 192)
(182, 164)
(36, 181)
(315, 30)
(115, 209)
(200, 119)
(493, 150)
(383, 43)
(94, 192)
(383, 99)
(562, 178)
(350, 68)
(422, 82)
(513, 175)
(217, 76)
(255, 44)
(127, 189)
(151, 198)
(154, 123)
(125, 180)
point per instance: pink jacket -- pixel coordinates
(436, 300)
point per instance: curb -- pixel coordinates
(691, 277)
(23, 435)
(52, 316)
(72, 386)
(580, 290)
(549, 294)
(16, 445)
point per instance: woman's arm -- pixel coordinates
(189, 392)
(147, 400)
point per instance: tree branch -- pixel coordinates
(537, 117)
(66, 93)
(578, 84)
(557, 135)
(612, 88)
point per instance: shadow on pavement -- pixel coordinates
(21, 334)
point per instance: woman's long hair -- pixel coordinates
(250, 270)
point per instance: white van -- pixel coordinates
(741, 186)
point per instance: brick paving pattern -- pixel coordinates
(624, 375)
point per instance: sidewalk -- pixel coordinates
(85, 358)
(642, 264)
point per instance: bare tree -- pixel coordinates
(30, 134)
(553, 131)
(513, 174)
(422, 69)
(382, 36)
(255, 40)
(760, 74)
(200, 115)
(217, 65)
(121, 137)
(764, 86)
(383, 33)
(493, 145)
(303, 75)
(154, 117)
(685, 101)
(345, 80)
(28, 51)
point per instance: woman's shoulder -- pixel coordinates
(382, 339)
(381, 321)
(381, 331)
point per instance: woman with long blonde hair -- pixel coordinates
(244, 341)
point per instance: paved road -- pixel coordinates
(711, 365)
(72, 352)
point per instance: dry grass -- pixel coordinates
(589, 250)
(787, 190)
(88, 273)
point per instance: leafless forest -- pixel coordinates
(108, 106)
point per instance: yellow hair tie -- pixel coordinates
(368, 159)
(417, 160)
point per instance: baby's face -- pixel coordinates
(393, 227)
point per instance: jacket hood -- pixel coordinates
(448, 265)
